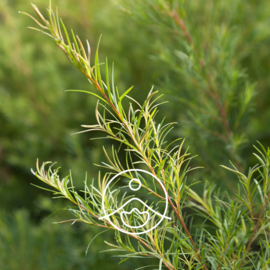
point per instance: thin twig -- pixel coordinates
(213, 93)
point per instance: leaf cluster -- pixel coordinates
(233, 226)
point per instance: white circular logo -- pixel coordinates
(117, 211)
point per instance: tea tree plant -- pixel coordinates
(234, 233)
(201, 45)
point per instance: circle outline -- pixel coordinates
(135, 189)
(136, 170)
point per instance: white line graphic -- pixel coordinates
(129, 201)
(162, 216)
(138, 211)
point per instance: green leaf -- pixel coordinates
(126, 93)
(242, 176)
(66, 33)
(108, 80)
(43, 188)
(86, 251)
(75, 42)
(90, 93)
(97, 68)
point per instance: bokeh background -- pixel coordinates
(37, 118)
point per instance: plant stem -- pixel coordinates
(152, 170)
(213, 93)
(255, 230)
(170, 267)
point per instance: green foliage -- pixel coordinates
(33, 77)
(35, 115)
(234, 231)
(148, 47)
(25, 245)
(203, 47)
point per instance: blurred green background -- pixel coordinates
(37, 118)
